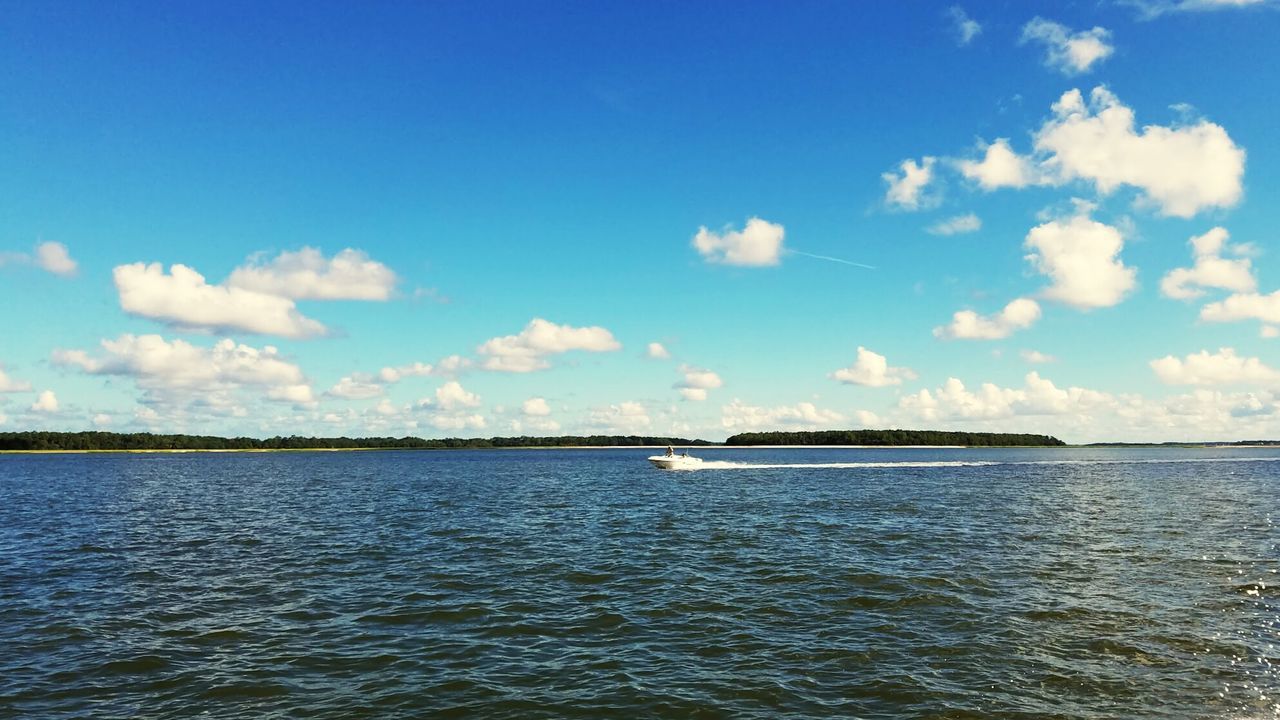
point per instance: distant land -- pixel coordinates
(39, 441)
(33, 441)
(894, 437)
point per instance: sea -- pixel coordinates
(772, 583)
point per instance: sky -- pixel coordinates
(695, 219)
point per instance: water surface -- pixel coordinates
(879, 583)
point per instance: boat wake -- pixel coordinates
(730, 465)
(725, 465)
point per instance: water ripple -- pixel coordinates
(784, 583)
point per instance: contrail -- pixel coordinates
(833, 259)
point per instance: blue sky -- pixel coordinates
(515, 195)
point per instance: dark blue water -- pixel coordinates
(583, 583)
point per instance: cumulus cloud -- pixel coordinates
(355, 387)
(1071, 53)
(47, 402)
(452, 396)
(446, 367)
(102, 420)
(1179, 170)
(1221, 368)
(1019, 314)
(308, 275)
(535, 407)
(697, 382)
(908, 185)
(965, 27)
(958, 225)
(1244, 306)
(757, 244)
(1149, 9)
(458, 421)
(51, 257)
(182, 299)
(1038, 396)
(1081, 258)
(801, 416)
(9, 385)
(1001, 167)
(873, 370)
(528, 350)
(656, 351)
(1211, 270)
(1036, 357)
(625, 418)
(181, 372)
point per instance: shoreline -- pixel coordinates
(693, 448)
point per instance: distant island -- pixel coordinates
(54, 441)
(40, 441)
(895, 437)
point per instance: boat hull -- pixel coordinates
(676, 462)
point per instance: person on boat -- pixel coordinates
(671, 451)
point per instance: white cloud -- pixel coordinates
(738, 416)
(907, 186)
(355, 387)
(46, 403)
(1269, 332)
(396, 374)
(1221, 368)
(9, 385)
(965, 27)
(446, 367)
(181, 372)
(1019, 314)
(1081, 257)
(1154, 8)
(53, 257)
(656, 351)
(1038, 396)
(534, 424)
(958, 225)
(535, 407)
(527, 351)
(308, 275)
(1001, 167)
(873, 370)
(458, 421)
(1036, 357)
(1211, 270)
(184, 300)
(625, 418)
(299, 394)
(452, 396)
(1244, 306)
(697, 382)
(1071, 53)
(757, 244)
(102, 420)
(1180, 170)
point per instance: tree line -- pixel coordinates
(894, 437)
(40, 440)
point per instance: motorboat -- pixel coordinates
(682, 461)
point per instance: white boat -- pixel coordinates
(683, 461)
